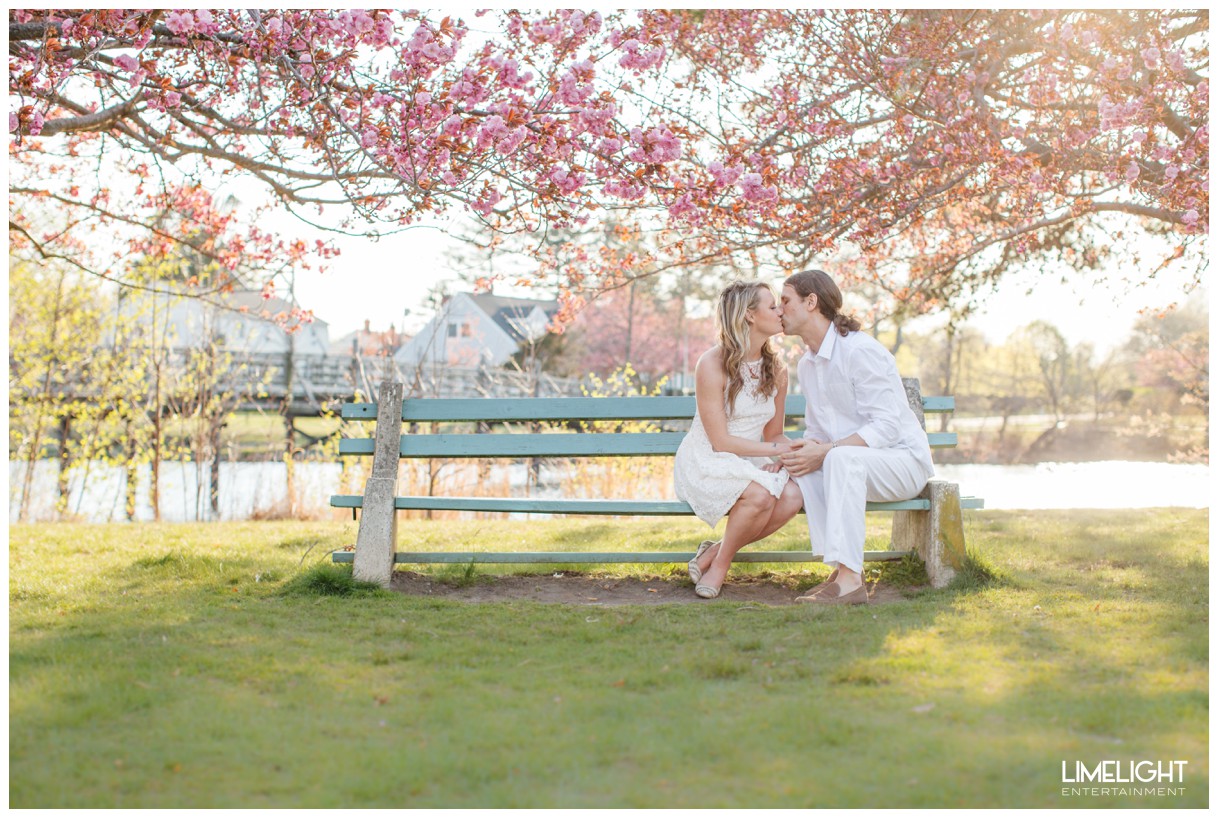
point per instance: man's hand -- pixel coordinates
(806, 457)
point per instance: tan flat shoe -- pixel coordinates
(695, 573)
(831, 595)
(816, 589)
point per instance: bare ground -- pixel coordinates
(582, 589)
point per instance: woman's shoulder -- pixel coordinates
(712, 357)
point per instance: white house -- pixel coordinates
(369, 342)
(473, 330)
(187, 323)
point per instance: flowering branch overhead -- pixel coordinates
(775, 132)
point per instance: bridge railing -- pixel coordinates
(262, 379)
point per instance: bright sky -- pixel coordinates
(379, 281)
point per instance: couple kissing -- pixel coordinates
(861, 441)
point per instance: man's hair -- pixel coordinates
(828, 297)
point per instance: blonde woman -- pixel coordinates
(725, 464)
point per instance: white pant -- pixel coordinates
(836, 495)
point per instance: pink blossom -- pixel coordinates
(1132, 171)
(1151, 57)
(494, 126)
(724, 176)
(682, 207)
(1191, 217)
(754, 190)
(512, 141)
(422, 98)
(173, 99)
(180, 22)
(1139, 137)
(566, 181)
(13, 122)
(206, 21)
(638, 59)
(624, 189)
(126, 62)
(1171, 172)
(656, 146)
(487, 201)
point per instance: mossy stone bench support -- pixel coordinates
(930, 525)
(377, 540)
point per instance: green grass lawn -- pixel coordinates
(194, 666)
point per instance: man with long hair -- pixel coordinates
(862, 441)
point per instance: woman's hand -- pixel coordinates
(781, 445)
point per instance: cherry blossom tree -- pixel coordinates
(949, 145)
(935, 148)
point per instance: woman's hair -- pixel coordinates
(731, 309)
(828, 297)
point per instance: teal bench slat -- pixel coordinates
(643, 508)
(591, 557)
(494, 410)
(602, 444)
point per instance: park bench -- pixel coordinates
(930, 525)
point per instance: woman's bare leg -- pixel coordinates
(745, 522)
(786, 507)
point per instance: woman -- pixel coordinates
(722, 466)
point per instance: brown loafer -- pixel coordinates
(831, 595)
(816, 589)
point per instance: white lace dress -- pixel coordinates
(710, 481)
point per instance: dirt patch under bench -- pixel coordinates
(581, 589)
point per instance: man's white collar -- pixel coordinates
(827, 345)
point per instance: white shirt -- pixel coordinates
(851, 386)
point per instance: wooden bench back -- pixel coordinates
(565, 444)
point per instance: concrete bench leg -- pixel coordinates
(937, 535)
(378, 533)
(377, 541)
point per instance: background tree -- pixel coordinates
(53, 331)
(1171, 348)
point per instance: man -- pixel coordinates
(862, 441)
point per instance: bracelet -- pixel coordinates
(835, 444)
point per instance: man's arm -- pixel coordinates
(874, 372)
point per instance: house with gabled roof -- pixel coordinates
(243, 322)
(477, 330)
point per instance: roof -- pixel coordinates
(510, 313)
(253, 301)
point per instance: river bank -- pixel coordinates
(252, 491)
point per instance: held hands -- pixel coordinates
(780, 446)
(805, 457)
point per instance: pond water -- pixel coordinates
(250, 490)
